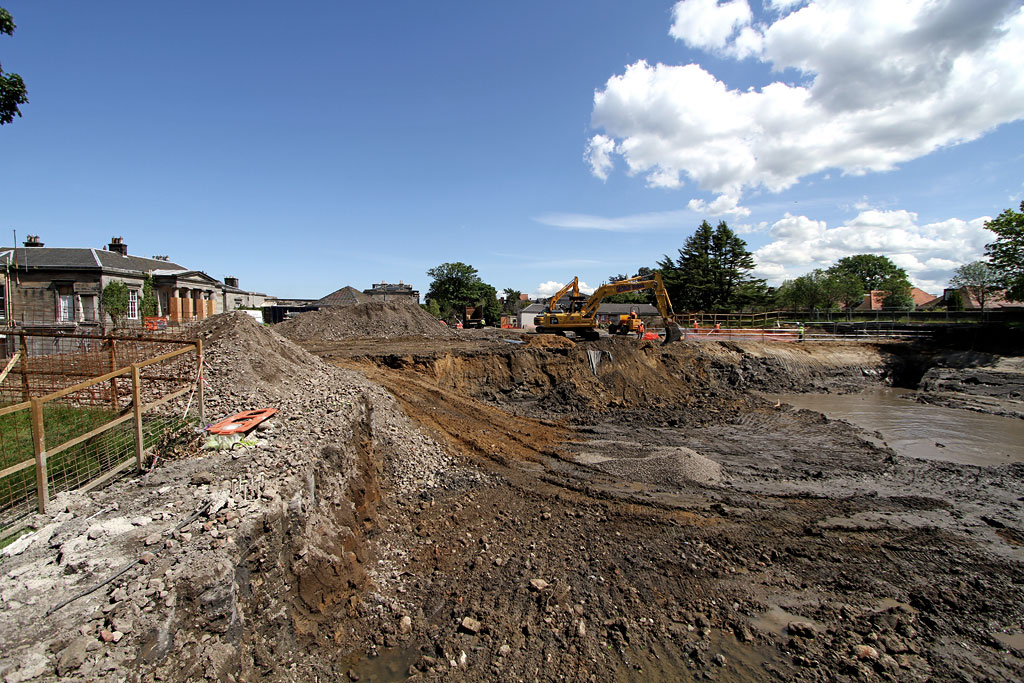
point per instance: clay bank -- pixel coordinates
(432, 505)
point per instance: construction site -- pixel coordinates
(436, 504)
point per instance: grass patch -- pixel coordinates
(74, 466)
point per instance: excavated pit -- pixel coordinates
(473, 507)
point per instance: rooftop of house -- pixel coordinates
(82, 258)
(346, 296)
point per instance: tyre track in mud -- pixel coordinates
(658, 582)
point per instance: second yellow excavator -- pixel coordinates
(581, 318)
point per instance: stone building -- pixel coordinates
(60, 289)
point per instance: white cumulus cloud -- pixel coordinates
(550, 288)
(881, 82)
(722, 204)
(708, 23)
(929, 252)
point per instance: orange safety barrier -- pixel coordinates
(241, 422)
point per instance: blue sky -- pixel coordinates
(306, 146)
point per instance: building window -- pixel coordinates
(3, 301)
(133, 304)
(88, 307)
(65, 304)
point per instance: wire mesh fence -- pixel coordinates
(84, 421)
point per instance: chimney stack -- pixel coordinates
(117, 245)
(231, 282)
(32, 241)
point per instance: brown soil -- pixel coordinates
(376, 319)
(474, 509)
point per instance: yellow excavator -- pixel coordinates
(581, 318)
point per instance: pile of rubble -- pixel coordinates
(163, 550)
(378, 319)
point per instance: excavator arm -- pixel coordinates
(573, 285)
(636, 284)
(581, 319)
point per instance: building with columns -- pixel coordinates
(61, 289)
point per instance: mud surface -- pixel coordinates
(685, 528)
(477, 508)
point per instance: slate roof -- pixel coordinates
(346, 296)
(82, 258)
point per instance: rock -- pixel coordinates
(107, 636)
(538, 584)
(887, 663)
(719, 659)
(201, 478)
(146, 557)
(581, 629)
(865, 652)
(801, 629)
(73, 656)
(471, 625)
(19, 546)
(153, 539)
(95, 531)
(405, 625)
(352, 675)
(33, 666)
(505, 650)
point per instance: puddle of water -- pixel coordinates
(1013, 641)
(923, 431)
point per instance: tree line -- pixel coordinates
(712, 272)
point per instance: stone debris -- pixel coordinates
(375, 319)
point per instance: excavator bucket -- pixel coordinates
(672, 333)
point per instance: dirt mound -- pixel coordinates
(378, 319)
(547, 341)
(244, 357)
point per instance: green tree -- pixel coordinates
(871, 269)
(955, 301)
(814, 291)
(710, 270)
(12, 88)
(897, 293)
(1006, 254)
(432, 308)
(848, 289)
(148, 304)
(980, 280)
(114, 300)
(512, 303)
(487, 296)
(453, 286)
(457, 285)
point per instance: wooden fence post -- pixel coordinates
(200, 393)
(137, 408)
(39, 446)
(113, 380)
(25, 394)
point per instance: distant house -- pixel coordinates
(606, 313)
(876, 299)
(57, 288)
(346, 296)
(236, 298)
(386, 291)
(993, 302)
(527, 315)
